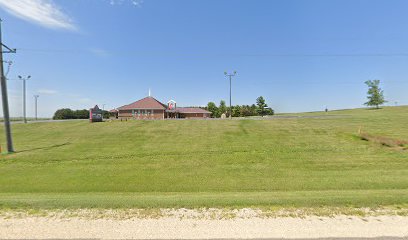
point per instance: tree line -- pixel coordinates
(66, 113)
(258, 109)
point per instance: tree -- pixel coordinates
(236, 111)
(211, 107)
(263, 108)
(81, 114)
(245, 111)
(240, 110)
(222, 108)
(375, 94)
(260, 102)
(254, 110)
(105, 114)
(64, 113)
(269, 111)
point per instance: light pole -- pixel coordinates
(36, 105)
(230, 75)
(103, 109)
(24, 96)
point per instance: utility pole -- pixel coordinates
(36, 104)
(6, 114)
(230, 75)
(24, 96)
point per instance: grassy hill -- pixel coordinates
(314, 160)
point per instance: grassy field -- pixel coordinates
(311, 161)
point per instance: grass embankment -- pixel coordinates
(296, 162)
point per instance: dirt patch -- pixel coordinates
(396, 144)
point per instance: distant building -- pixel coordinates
(151, 108)
(113, 113)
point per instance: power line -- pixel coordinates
(182, 54)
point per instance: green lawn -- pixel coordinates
(296, 162)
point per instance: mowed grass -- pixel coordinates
(295, 162)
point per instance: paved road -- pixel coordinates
(44, 121)
(235, 118)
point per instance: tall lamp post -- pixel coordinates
(230, 75)
(24, 79)
(103, 109)
(36, 105)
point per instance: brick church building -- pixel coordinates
(151, 108)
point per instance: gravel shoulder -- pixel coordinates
(189, 224)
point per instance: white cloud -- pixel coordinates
(43, 12)
(47, 91)
(137, 3)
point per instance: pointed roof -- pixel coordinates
(96, 108)
(145, 103)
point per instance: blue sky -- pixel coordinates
(301, 55)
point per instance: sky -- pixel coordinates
(300, 55)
